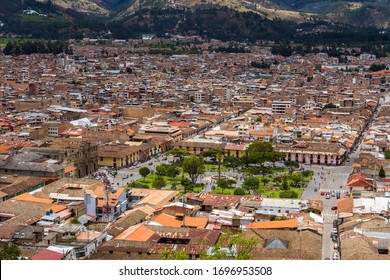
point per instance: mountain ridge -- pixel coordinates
(221, 19)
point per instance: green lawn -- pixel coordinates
(148, 181)
(270, 192)
(214, 167)
(279, 170)
(273, 189)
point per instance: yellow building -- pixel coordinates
(117, 156)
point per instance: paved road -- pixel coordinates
(327, 179)
(133, 171)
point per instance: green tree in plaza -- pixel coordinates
(288, 194)
(285, 185)
(261, 153)
(172, 171)
(382, 173)
(187, 184)
(251, 183)
(265, 180)
(9, 252)
(144, 171)
(232, 162)
(307, 173)
(264, 170)
(291, 165)
(296, 178)
(218, 154)
(277, 180)
(159, 183)
(239, 191)
(258, 152)
(225, 183)
(387, 154)
(194, 166)
(277, 156)
(162, 169)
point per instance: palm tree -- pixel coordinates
(219, 158)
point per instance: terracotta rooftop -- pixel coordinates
(30, 198)
(167, 220)
(197, 222)
(56, 208)
(136, 233)
(345, 205)
(291, 223)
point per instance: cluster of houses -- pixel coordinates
(62, 220)
(63, 117)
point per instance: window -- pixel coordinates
(101, 158)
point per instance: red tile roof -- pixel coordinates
(179, 124)
(47, 254)
(360, 179)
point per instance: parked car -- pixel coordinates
(322, 193)
(334, 208)
(335, 255)
(327, 196)
(335, 246)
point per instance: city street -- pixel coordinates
(329, 179)
(131, 174)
